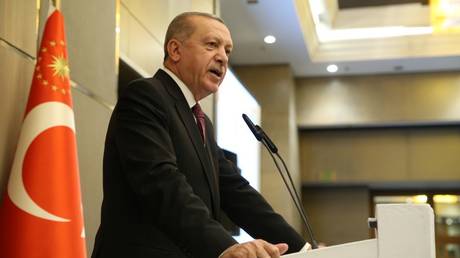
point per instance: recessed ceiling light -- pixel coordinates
(332, 68)
(270, 39)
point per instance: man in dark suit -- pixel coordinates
(165, 179)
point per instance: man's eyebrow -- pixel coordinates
(212, 37)
(219, 40)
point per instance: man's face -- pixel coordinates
(204, 56)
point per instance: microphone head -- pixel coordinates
(267, 139)
(252, 127)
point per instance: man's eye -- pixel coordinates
(212, 44)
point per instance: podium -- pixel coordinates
(402, 230)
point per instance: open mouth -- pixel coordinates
(216, 72)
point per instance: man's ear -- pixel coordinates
(173, 48)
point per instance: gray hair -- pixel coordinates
(181, 28)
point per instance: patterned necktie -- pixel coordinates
(199, 115)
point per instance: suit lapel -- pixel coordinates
(186, 116)
(205, 159)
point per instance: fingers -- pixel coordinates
(255, 249)
(267, 250)
(282, 248)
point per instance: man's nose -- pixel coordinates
(222, 57)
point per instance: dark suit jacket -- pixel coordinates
(164, 190)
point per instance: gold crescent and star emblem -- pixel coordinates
(58, 64)
(60, 67)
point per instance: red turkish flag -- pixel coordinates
(41, 213)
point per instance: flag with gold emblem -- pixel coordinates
(41, 212)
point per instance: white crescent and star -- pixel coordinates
(39, 119)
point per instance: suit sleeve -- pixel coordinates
(248, 209)
(149, 162)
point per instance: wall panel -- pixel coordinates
(350, 156)
(18, 24)
(380, 155)
(91, 45)
(15, 79)
(152, 15)
(91, 120)
(378, 100)
(347, 154)
(337, 216)
(141, 48)
(433, 155)
(203, 6)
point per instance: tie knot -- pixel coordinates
(197, 111)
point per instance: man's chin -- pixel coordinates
(212, 87)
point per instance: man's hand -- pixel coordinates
(255, 249)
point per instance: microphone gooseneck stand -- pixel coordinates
(272, 149)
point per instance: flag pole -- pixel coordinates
(56, 4)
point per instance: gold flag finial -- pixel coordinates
(57, 4)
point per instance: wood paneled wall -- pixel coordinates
(378, 100)
(18, 34)
(376, 155)
(393, 130)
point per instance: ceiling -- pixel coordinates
(308, 53)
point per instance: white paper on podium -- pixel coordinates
(360, 249)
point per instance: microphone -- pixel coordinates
(269, 142)
(272, 149)
(253, 128)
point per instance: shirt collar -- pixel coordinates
(185, 90)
